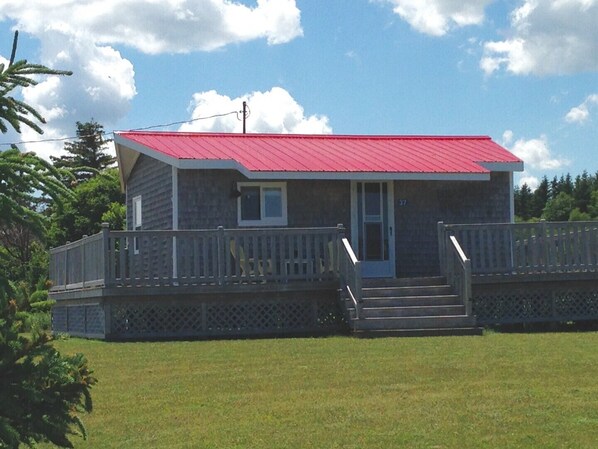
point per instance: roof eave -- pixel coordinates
(503, 166)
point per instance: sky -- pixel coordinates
(524, 72)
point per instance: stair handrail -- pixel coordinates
(350, 275)
(458, 272)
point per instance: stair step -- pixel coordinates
(405, 311)
(431, 332)
(414, 322)
(424, 290)
(407, 301)
(404, 282)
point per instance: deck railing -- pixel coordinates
(458, 272)
(350, 275)
(524, 248)
(192, 257)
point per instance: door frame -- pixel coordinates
(370, 271)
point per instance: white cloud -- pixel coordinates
(160, 26)
(526, 178)
(438, 17)
(547, 37)
(536, 154)
(101, 87)
(507, 137)
(581, 113)
(274, 111)
(79, 35)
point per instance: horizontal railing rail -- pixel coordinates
(190, 257)
(350, 275)
(525, 248)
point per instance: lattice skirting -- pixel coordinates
(535, 302)
(80, 320)
(174, 317)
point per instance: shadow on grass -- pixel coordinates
(533, 328)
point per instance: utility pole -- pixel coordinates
(244, 117)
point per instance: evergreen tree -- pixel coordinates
(27, 180)
(13, 112)
(554, 188)
(593, 206)
(582, 190)
(539, 198)
(87, 155)
(523, 202)
(566, 184)
(41, 391)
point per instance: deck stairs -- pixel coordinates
(425, 306)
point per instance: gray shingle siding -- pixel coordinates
(205, 202)
(429, 202)
(319, 203)
(152, 180)
(204, 199)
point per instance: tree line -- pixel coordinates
(563, 198)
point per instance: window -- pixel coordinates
(262, 204)
(137, 221)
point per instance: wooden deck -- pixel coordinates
(199, 283)
(525, 272)
(247, 282)
(199, 258)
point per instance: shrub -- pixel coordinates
(38, 296)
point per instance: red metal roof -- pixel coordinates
(327, 153)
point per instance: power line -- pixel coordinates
(106, 133)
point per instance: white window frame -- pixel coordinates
(137, 220)
(264, 221)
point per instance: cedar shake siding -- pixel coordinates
(205, 201)
(429, 202)
(152, 180)
(319, 203)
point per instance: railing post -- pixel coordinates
(545, 246)
(341, 235)
(358, 282)
(467, 288)
(221, 255)
(83, 260)
(441, 247)
(66, 265)
(106, 259)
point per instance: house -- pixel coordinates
(234, 235)
(388, 191)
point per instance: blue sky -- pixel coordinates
(524, 72)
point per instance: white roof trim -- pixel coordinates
(502, 166)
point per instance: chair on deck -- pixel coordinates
(324, 266)
(248, 265)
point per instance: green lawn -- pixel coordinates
(495, 391)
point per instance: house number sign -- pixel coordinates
(401, 203)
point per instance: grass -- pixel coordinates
(496, 391)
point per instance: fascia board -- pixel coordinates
(502, 166)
